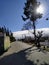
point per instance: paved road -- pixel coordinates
(23, 54)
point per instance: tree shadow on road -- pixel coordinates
(18, 58)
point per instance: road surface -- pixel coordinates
(23, 54)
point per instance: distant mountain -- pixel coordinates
(22, 34)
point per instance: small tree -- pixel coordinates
(12, 38)
(30, 13)
(38, 38)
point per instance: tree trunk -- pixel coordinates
(34, 27)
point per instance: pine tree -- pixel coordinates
(30, 13)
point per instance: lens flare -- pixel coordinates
(40, 9)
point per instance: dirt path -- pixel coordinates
(23, 54)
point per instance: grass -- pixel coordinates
(46, 48)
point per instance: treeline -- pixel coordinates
(8, 32)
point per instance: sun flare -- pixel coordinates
(40, 9)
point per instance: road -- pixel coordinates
(23, 54)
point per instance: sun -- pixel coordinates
(40, 9)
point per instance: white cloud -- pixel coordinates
(20, 34)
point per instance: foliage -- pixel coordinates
(12, 39)
(30, 10)
(31, 14)
(8, 33)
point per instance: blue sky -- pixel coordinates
(11, 11)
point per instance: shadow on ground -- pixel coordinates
(18, 59)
